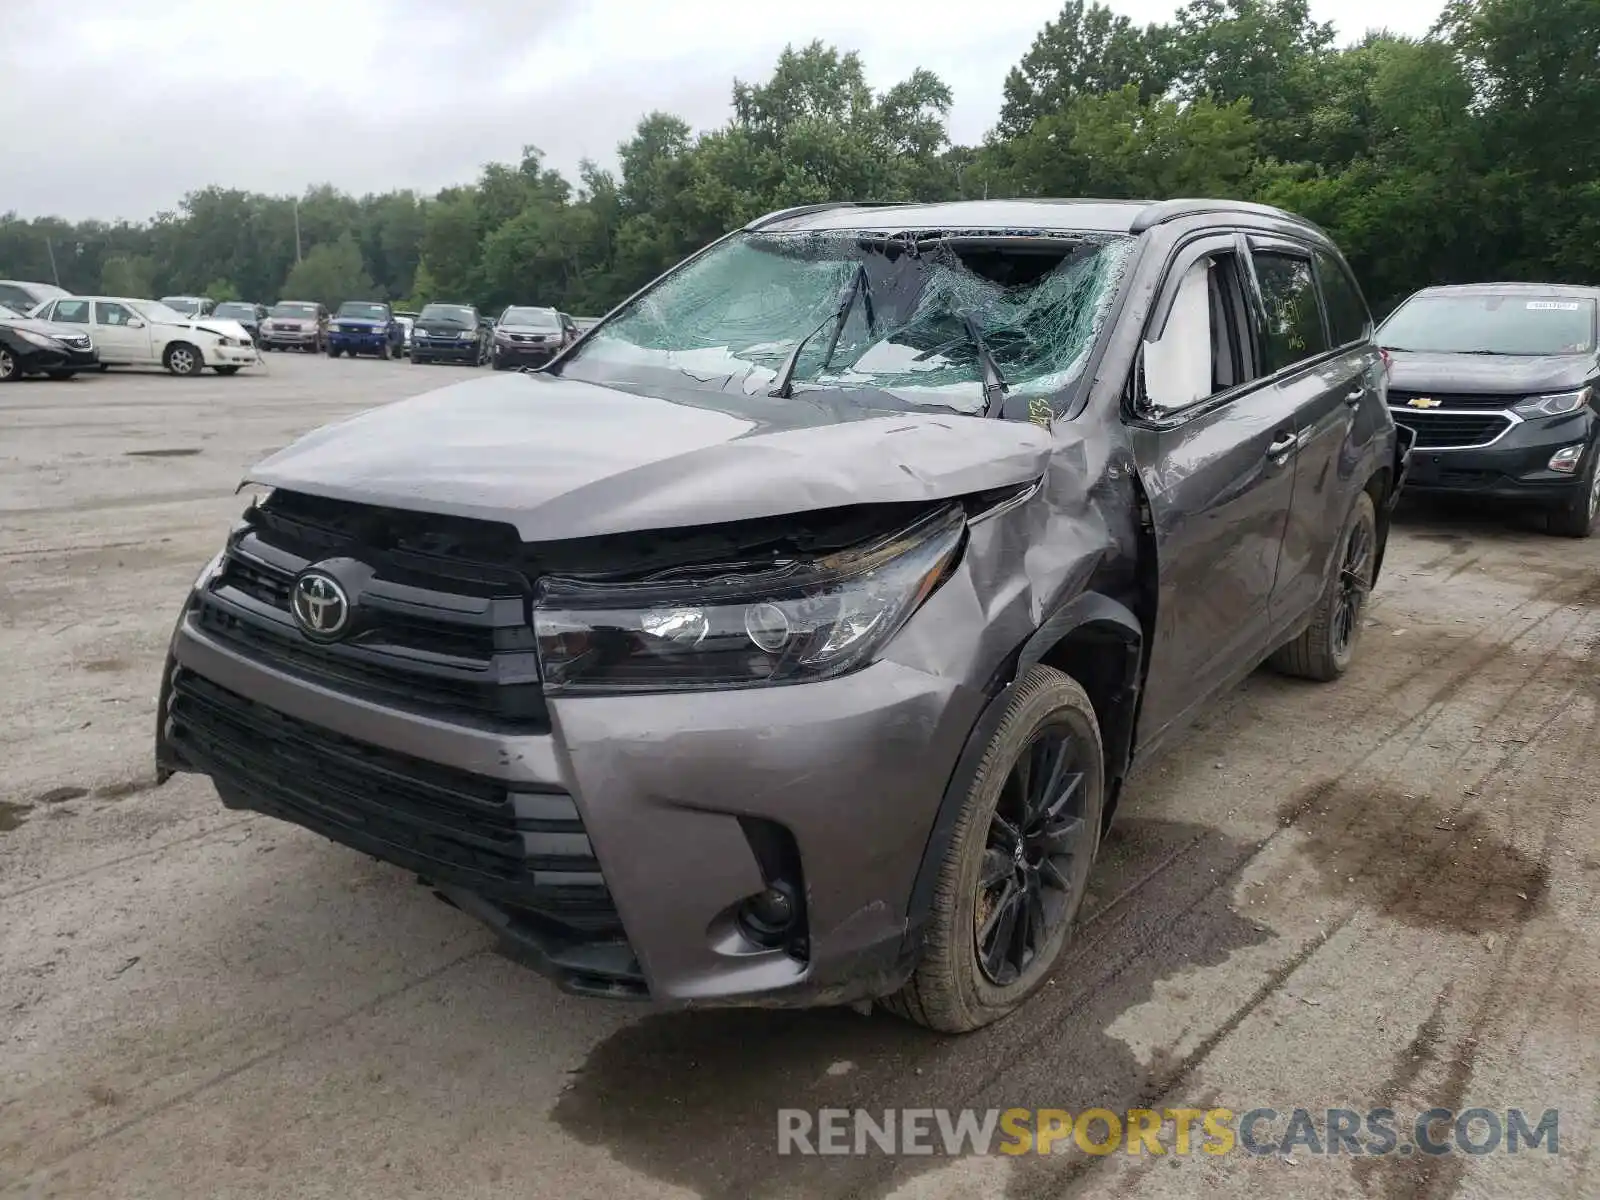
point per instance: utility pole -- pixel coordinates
(297, 231)
(51, 250)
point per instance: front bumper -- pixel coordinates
(653, 815)
(230, 356)
(445, 348)
(1515, 467)
(366, 341)
(515, 353)
(290, 337)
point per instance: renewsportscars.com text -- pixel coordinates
(1176, 1131)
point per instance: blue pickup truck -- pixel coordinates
(364, 327)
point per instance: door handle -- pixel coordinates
(1354, 397)
(1282, 444)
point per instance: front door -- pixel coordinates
(122, 334)
(1216, 452)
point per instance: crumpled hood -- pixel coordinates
(560, 458)
(1414, 371)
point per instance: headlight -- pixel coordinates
(39, 339)
(209, 571)
(1554, 405)
(800, 622)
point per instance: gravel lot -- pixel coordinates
(1380, 892)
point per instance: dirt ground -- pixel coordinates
(1375, 893)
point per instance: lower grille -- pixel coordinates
(525, 850)
(1454, 429)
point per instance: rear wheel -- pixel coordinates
(1014, 875)
(1576, 516)
(183, 359)
(1324, 651)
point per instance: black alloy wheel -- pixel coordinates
(1036, 856)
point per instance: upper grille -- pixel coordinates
(430, 630)
(1399, 400)
(526, 848)
(1454, 429)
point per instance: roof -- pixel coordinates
(1026, 215)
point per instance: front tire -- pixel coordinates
(1575, 517)
(227, 370)
(58, 375)
(334, 352)
(1323, 652)
(183, 359)
(1014, 875)
(10, 370)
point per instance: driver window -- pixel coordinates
(1200, 352)
(72, 312)
(112, 314)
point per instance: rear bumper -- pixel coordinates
(1516, 467)
(612, 849)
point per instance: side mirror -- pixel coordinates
(136, 324)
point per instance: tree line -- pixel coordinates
(1472, 152)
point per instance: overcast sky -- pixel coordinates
(130, 104)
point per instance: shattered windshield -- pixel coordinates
(732, 317)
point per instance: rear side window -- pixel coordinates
(1293, 330)
(1348, 318)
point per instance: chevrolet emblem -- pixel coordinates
(1424, 402)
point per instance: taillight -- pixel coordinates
(1388, 359)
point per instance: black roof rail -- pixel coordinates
(801, 210)
(1163, 211)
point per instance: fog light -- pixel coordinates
(768, 915)
(1566, 459)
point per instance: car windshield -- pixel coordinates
(183, 304)
(292, 310)
(10, 314)
(364, 310)
(457, 314)
(1486, 323)
(532, 318)
(246, 311)
(732, 317)
(157, 310)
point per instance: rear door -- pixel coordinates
(1215, 448)
(1323, 369)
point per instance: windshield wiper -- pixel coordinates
(858, 286)
(995, 386)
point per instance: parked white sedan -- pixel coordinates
(142, 333)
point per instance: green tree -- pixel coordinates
(128, 275)
(1085, 51)
(332, 273)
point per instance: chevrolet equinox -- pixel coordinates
(787, 638)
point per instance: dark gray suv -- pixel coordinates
(789, 638)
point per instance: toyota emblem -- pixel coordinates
(321, 607)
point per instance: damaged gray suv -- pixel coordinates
(788, 638)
